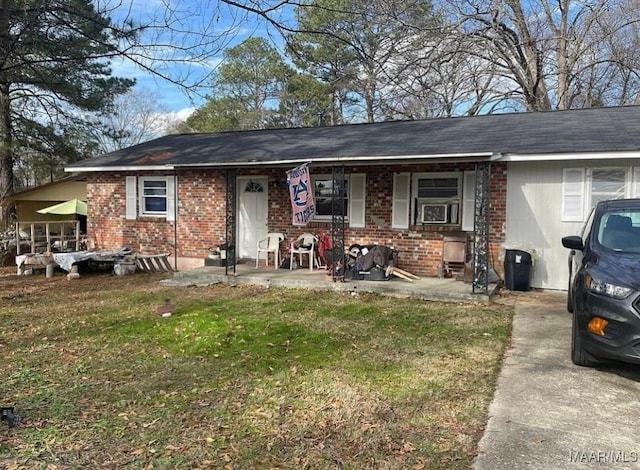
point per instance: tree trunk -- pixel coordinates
(534, 86)
(6, 157)
(6, 151)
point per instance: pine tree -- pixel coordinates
(54, 64)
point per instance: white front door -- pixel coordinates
(252, 214)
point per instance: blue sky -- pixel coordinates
(231, 26)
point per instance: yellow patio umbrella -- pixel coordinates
(71, 207)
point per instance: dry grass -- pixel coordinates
(240, 377)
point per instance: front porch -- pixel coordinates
(425, 288)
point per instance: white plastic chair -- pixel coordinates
(271, 244)
(305, 244)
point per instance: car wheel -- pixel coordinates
(579, 356)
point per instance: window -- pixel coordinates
(323, 193)
(437, 198)
(354, 207)
(607, 184)
(254, 187)
(153, 196)
(438, 188)
(583, 189)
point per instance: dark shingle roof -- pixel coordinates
(615, 129)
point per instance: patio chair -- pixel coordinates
(305, 244)
(271, 244)
(454, 254)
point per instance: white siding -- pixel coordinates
(534, 214)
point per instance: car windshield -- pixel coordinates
(620, 230)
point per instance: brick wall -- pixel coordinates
(201, 215)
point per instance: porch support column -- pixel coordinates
(337, 220)
(481, 233)
(230, 222)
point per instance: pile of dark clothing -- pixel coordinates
(369, 262)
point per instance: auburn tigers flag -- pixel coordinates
(301, 192)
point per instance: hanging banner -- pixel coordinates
(300, 190)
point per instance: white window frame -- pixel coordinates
(458, 199)
(142, 197)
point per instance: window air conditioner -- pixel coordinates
(435, 213)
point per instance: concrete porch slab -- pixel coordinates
(426, 288)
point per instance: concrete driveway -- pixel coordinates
(548, 413)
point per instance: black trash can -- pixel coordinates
(517, 270)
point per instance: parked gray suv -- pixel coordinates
(604, 285)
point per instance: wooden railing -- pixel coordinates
(48, 236)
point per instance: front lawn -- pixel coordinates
(240, 377)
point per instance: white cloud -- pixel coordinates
(183, 114)
(166, 123)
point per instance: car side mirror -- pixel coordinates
(573, 242)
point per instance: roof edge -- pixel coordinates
(507, 157)
(325, 161)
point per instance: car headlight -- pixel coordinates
(606, 288)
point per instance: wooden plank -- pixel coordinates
(154, 263)
(167, 265)
(155, 260)
(406, 273)
(393, 271)
(152, 268)
(144, 265)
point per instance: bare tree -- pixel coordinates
(136, 116)
(556, 52)
(438, 78)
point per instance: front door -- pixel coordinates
(252, 214)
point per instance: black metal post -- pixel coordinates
(481, 229)
(230, 222)
(337, 222)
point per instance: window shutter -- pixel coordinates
(131, 199)
(401, 200)
(171, 198)
(573, 194)
(469, 201)
(357, 192)
(635, 185)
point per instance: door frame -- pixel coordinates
(241, 182)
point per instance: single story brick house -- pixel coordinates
(519, 181)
